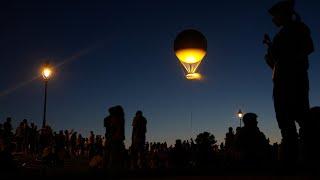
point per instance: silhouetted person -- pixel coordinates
(98, 146)
(60, 148)
(222, 147)
(7, 131)
(7, 125)
(115, 124)
(229, 140)
(73, 143)
(91, 142)
(60, 141)
(251, 143)
(288, 57)
(228, 150)
(179, 155)
(67, 135)
(19, 137)
(80, 145)
(33, 134)
(25, 134)
(45, 138)
(96, 161)
(237, 130)
(139, 129)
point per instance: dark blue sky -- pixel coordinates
(121, 52)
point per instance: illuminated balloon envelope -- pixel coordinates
(190, 47)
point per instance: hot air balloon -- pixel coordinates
(190, 47)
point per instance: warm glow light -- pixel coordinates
(190, 55)
(193, 76)
(46, 73)
(240, 114)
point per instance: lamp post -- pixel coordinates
(46, 74)
(240, 115)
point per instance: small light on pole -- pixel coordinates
(46, 74)
(240, 115)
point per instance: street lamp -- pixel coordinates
(240, 115)
(46, 74)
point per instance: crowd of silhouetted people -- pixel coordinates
(246, 148)
(45, 144)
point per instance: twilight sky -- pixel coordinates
(121, 53)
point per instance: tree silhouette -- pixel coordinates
(205, 143)
(206, 139)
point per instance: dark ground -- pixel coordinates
(78, 169)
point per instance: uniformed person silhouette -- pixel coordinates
(288, 57)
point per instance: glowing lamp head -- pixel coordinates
(240, 114)
(46, 73)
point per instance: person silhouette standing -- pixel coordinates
(139, 129)
(229, 140)
(7, 131)
(287, 56)
(251, 143)
(114, 124)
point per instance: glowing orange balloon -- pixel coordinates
(190, 47)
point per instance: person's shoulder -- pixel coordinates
(241, 133)
(301, 27)
(262, 135)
